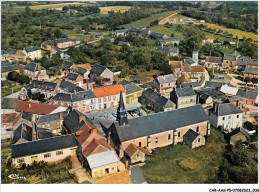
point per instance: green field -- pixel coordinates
(6, 87)
(180, 164)
(146, 21)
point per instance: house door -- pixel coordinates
(105, 106)
(107, 170)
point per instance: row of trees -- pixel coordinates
(15, 76)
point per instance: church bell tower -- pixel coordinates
(121, 116)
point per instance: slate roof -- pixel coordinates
(212, 92)
(156, 35)
(156, 98)
(32, 66)
(239, 130)
(249, 70)
(97, 69)
(52, 117)
(41, 85)
(231, 57)
(246, 61)
(168, 49)
(20, 132)
(136, 175)
(188, 62)
(71, 121)
(9, 103)
(160, 122)
(131, 88)
(43, 145)
(101, 159)
(11, 51)
(183, 92)
(26, 116)
(247, 94)
(121, 31)
(68, 97)
(6, 66)
(60, 40)
(42, 133)
(190, 84)
(88, 94)
(72, 76)
(70, 87)
(227, 109)
(213, 84)
(169, 78)
(169, 40)
(81, 70)
(191, 135)
(35, 108)
(32, 49)
(211, 59)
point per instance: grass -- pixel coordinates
(145, 77)
(180, 164)
(6, 87)
(235, 32)
(146, 21)
(122, 9)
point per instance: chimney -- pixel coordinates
(93, 131)
(60, 115)
(39, 66)
(29, 105)
(87, 85)
(81, 118)
(24, 127)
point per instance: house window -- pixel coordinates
(109, 98)
(114, 97)
(99, 100)
(237, 116)
(161, 85)
(112, 169)
(197, 129)
(58, 123)
(229, 117)
(48, 125)
(59, 152)
(169, 84)
(156, 140)
(191, 100)
(112, 104)
(105, 99)
(43, 126)
(20, 160)
(62, 103)
(223, 118)
(199, 140)
(140, 144)
(99, 106)
(137, 155)
(91, 100)
(179, 134)
(47, 155)
(169, 136)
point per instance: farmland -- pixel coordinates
(122, 9)
(146, 21)
(55, 6)
(235, 32)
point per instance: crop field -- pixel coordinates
(122, 9)
(235, 32)
(183, 165)
(146, 21)
(55, 6)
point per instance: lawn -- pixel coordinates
(146, 21)
(180, 164)
(6, 87)
(144, 77)
(122, 9)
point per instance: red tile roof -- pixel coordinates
(8, 117)
(35, 108)
(95, 146)
(183, 79)
(193, 69)
(132, 148)
(108, 90)
(175, 64)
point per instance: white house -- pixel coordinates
(33, 53)
(226, 115)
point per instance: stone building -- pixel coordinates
(183, 97)
(164, 84)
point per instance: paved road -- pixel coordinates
(206, 78)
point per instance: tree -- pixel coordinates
(248, 125)
(13, 76)
(29, 93)
(254, 80)
(246, 80)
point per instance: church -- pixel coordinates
(157, 130)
